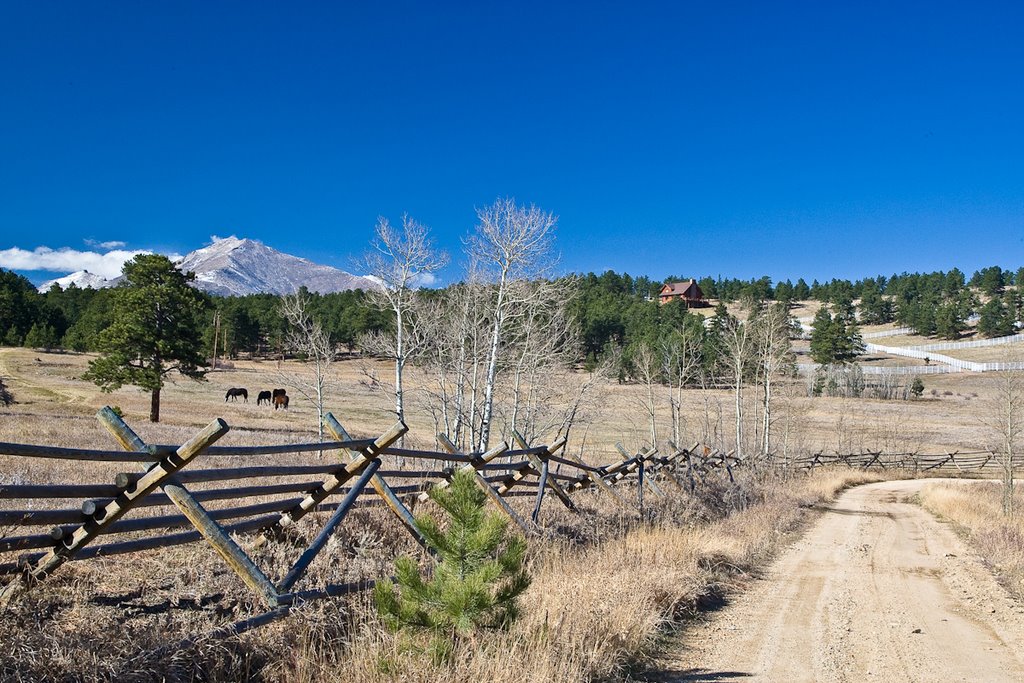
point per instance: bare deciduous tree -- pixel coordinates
(680, 358)
(1006, 421)
(540, 342)
(646, 367)
(711, 425)
(511, 243)
(738, 341)
(400, 260)
(773, 329)
(307, 339)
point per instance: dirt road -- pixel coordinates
(876, 590)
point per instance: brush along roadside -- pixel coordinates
(605, 588)
(596, 610)
(975, 509)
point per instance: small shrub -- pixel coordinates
(917, 388)
(476, 581)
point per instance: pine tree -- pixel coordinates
(949, 320)
(155, 330)
(874, 309)
(835, 339)
(996, 319)
(823, 338)
(41, 336)
(476, 581)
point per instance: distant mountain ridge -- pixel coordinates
(82, 279)
(237, 267)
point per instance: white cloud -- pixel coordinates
(112, 244)
(67, 260)
(424, 280)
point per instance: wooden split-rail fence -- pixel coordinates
(211, 501)
(979, 463)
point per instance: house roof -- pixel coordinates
(688, 289)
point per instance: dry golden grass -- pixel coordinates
(605, 585)
(594, 612)
(1002, 353)
(976, 510)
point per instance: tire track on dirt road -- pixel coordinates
(876, 590)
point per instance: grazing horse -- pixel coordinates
(233, 394)
(264, 397)
(281, 401)
(278, 392)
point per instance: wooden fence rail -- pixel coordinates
(93, 519)
(87, 519)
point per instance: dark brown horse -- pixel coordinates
(263, 397)
(233, 394)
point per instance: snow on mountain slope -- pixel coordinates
(82, 279)
(233, 266)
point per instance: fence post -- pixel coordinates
(382, 488)
(640, 488)
(117, 507)
(225, 546)
(494, 495)
(540, 462)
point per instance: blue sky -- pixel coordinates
(780, 139)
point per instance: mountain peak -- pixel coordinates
(82, 279)
(241, 266)
(233, 266)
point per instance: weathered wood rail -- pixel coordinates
(980, 463)
(46, 525)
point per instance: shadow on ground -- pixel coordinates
(693, 675)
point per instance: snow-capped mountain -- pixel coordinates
(236, 267)
(233, 266)
(82, 279)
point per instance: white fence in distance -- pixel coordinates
(976, 344)
(887, 333)
(962, 365)
(895, 370)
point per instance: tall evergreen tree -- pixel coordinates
(949, 320)
(835, 339)
(155, 330)
(874, 308)
(996, 319)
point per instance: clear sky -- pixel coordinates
(784, 139)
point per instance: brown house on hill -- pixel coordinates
(688, 291)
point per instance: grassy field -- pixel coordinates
(1003, 353)
(975, 508)
(605, 584)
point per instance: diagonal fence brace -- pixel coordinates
(118, 506)
(382, 488)
(336, 480)
(214, 533)
(494, 495)
(307, 557)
